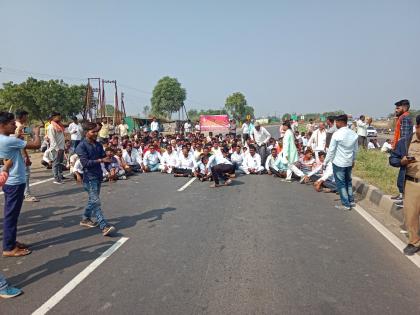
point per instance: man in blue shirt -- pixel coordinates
(342, 153)
(91, 155)
(14, 189)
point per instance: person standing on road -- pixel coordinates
(407, 157)
(289, 154)
(75, 130)
(318, 140)
(245, 131)
(342, 153)
(57, 143)
(104, 132)
(91, 155)
(261, 137)
(232, 127)
(14, 189)
(362, 132)
(403, 130)
(154, 125)
(21, 120)
(331, 128)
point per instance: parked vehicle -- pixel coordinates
(371, 132)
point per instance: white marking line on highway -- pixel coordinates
(36, 183)
(187, 184)
(394, 240)
(56, 298)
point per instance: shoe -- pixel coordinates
(107, 230)
(10, 292)
(397, 198)
(399, 204)
(31, 198)
(343, 207)
(402, 231)
(353, 204)
(88, 223)
(123, 177)
(58, 182)
(410, 250)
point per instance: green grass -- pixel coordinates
(373, 167)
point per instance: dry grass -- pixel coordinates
(373, 167)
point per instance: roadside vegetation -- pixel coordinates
(373, 167)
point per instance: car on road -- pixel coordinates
(371, 132)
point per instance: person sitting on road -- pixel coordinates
(237, 156)
(220, 166)
(185, 165)
(270, 163)
(151, 160)
(47, 159)
(387, 146)
(323, 178)
(132, 158)
(201, 171)
(169, 160)
(252, 163)
(112, 170)
(119, 156)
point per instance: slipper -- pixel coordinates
(31, 198)
(16, 252)
(228, 182)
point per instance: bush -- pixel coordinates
(373, 167)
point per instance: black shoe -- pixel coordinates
(64, 178)
(410, 250)
(397, 198)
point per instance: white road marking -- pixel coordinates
(36, 183)
(394, 240)
(187, 184)
(56, 298)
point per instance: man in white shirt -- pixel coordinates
(342, 153)
(237, 157)
(75, 130)
(123, 129)
(47, 159)
(387, 146)
(197, 127)
(245, 131)
(261, 137)
(271, 162)
(362, 132)
(151, 160)
(132, 158)
(56, 135)
(169, 160)
(187, 126)
(252, 162)
(154, 126)
(324, 178)
(318, 139)
(220, 166)
(185, 165)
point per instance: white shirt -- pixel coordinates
(237, 158)
(245, 128)
(169, 159)
(187, 127)
(48, 157)
(260, 137)
(371, 146)
(386, 147)
(251, 161)
(134, 158)
(154, 126)
(361, 128)
(56, 138)
(271, 162)
(197, 127)
(123, 129)
(150, 158)
(216, 160)
(186, 162)
(343, 148)
(318, 140)
(75, 131)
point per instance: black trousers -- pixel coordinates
(218, 171)
(262, 151)
(182, 171)
(279, 174)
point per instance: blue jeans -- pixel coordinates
(3, 282)
(28, 175)
(342, 176)
(13, 199)
(154, 168)
(93, 188)
(74, 144)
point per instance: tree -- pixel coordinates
(286, 116)
(168, 97)
(235, 105)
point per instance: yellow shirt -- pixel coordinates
(104, 132)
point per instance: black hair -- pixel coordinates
(252, 147)
(321, 153)
(20, 113)
(225, 150)
(331, 118)
(87, 126)
(287, 123)
(6, 117)
(342, 118)
(403, 103)
(418, 120)
(55, 114)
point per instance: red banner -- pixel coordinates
(214, 123)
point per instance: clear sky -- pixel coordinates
(285, 56)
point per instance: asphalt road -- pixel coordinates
(260, 246)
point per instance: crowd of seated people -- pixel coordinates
(217, 158)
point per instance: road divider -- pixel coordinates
(187, 184)
(56, 298)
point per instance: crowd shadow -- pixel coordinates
(58, 193)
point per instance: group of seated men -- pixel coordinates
(209, 158)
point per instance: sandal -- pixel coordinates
(16, 252)
(31, 199)
(21, 245)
